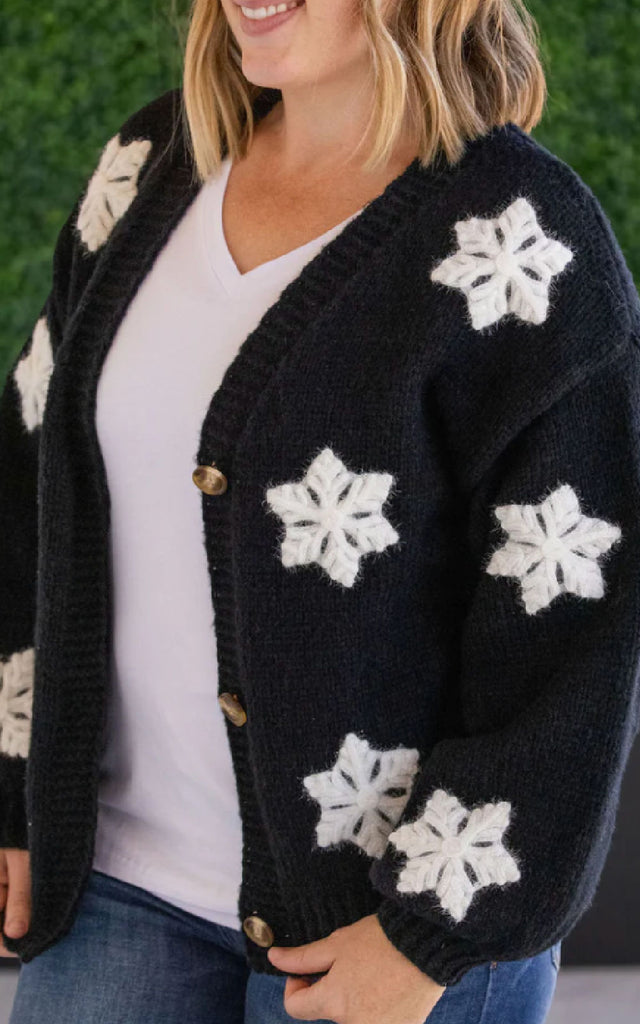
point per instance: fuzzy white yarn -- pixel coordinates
(440, 846)
(32, 375)
(544, 538)
(333, 517)
(504, 265)
(358, 806)
(111, 190)
(16, 697)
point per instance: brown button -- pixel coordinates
(258, 930)
(232, 708)
(209, 479)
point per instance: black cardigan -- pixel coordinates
(421, 519)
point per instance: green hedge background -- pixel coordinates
(73, 71)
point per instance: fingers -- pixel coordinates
(309, 1001)
(306, 1000)
(311, 958)
(4, 882)
(18, 906)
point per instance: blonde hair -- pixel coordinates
(456, 68)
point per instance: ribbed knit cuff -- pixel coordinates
(443, 957)
(13, 815)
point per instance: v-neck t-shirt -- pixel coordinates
(168, 813)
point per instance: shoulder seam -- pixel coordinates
(591, 207)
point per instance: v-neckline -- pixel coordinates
(217, 254)
(166, 192)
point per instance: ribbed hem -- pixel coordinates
(443, 957)
(308, 917)
(13, 821)
(438, 954)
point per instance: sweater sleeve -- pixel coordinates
(106, 195)
(23, 401)
(22, 405)
(503, 840)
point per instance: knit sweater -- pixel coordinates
(420, 484)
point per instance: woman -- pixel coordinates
(348, 363)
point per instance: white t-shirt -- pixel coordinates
(168, 817)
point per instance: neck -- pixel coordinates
(315, 132)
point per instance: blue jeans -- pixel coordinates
(131, 958)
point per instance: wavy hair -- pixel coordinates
(457, 68)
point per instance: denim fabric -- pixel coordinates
(131, 958)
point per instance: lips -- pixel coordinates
(261, 17)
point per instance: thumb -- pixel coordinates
(18, 905)
(310, 958)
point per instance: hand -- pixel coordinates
(369, 979)
(15, 895)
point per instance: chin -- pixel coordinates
(260, 72)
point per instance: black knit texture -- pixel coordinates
(362, 353)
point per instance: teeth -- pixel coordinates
(258, 13)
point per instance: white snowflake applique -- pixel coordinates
(111, 190)
(504, 265)
(552, 548)
(16, 697)
(363, 795)
(32, 375)
(333, 517)
(455, 852)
